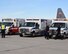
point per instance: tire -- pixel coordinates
(33, 34)
(50, 35)
(62, 37)
(9, 33)
(47, 38)
(65, 35)
(21, 35)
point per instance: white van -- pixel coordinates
(33, 27)
(8, 22)
(54, 26)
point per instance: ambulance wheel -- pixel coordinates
(65, 35)
(33, 34)
(21, 35)
(51, 36)
(9, 33)
(62, 37)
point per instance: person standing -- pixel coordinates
(47, 32)
(58, 32)
(3, 30)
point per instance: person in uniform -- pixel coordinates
(3, 30)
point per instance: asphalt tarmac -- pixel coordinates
(13, 44)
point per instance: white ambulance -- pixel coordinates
(33, 27)
(64, 27)
(8, 22)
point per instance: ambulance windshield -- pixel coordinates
(57, 24)
(28, 24)
(7, 23)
